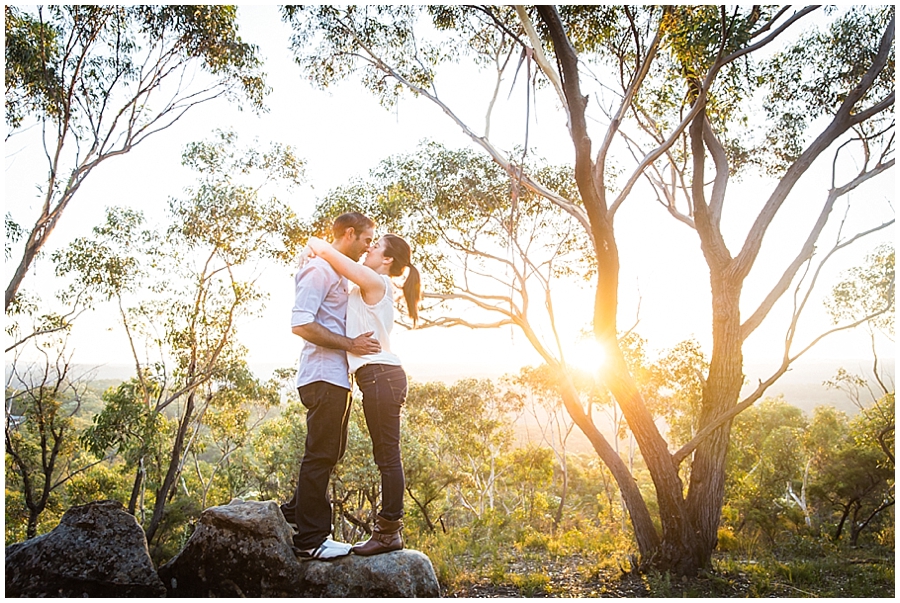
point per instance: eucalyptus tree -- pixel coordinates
(195, 289)
(852, 480)
(766, 455)
(236, 410)
(427, 439)
(682, 80)
(42, 397)
(99, 80)
(277, 445)
(454, 438)
(864, 288)
(537, 387)
(860, 480)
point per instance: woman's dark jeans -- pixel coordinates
(384, 388)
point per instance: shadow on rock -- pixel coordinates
(97, 550)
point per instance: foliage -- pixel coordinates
(127, 424)
(42, 398)
(196, 281)
(867, 290)
(856, 485)
(448, 432)
(277, 447)
(682, 80)
(440, 417)
(810, 478)
(31, 48)
(195, 416)
(101, 79)
(813, 77)
(675, 389)
(766, 454)
(453, 207)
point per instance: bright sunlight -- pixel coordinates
(586, 354)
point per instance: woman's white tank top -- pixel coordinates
(379, 317)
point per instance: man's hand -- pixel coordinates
(364, 344)
(315, 333)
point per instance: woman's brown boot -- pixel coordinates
(385, 538)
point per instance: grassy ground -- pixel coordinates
(529, 573)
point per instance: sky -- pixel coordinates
(342, 133)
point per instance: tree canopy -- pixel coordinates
(101, 79)
(669, 89)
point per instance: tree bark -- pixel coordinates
(644, 531)
(706, 490)
(172, 474)
(136, 488)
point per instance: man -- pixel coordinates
(320, 317)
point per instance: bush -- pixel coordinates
(531, 539)
(727, 540)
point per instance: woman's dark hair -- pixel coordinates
(352, 219)
(398, 249)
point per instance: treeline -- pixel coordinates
(828, 477)
(694, 100)
(195, 427)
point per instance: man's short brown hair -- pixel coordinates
(352, 219)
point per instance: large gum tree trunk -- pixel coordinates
(669, 487)
(706, 490)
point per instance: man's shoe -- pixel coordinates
(385, 538)
(330, 549)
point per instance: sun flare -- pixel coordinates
(586, 355)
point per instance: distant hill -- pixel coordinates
(802, 387)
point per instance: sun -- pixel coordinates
(586, 355)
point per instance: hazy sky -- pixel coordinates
(343, 132)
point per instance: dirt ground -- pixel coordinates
(567, 577)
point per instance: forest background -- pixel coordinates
(189, 275)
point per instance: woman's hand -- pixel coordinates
(305, 257)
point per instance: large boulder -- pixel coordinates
(405, 573)
(97, 550)
(244, 549)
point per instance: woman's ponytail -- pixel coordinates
(398, 249)
(412, 293)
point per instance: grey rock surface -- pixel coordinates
(244, 549)
(405, 573)
(97, 550)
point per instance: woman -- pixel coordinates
(379, 376)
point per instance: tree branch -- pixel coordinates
(808, 248)
(569, 207)
(716, 423)
(841, 122)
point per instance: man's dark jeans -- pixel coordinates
(384, 389)
(326, 440)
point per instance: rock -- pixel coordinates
(244, 549)
(240, 549)
(97, 550)
(405, 573)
